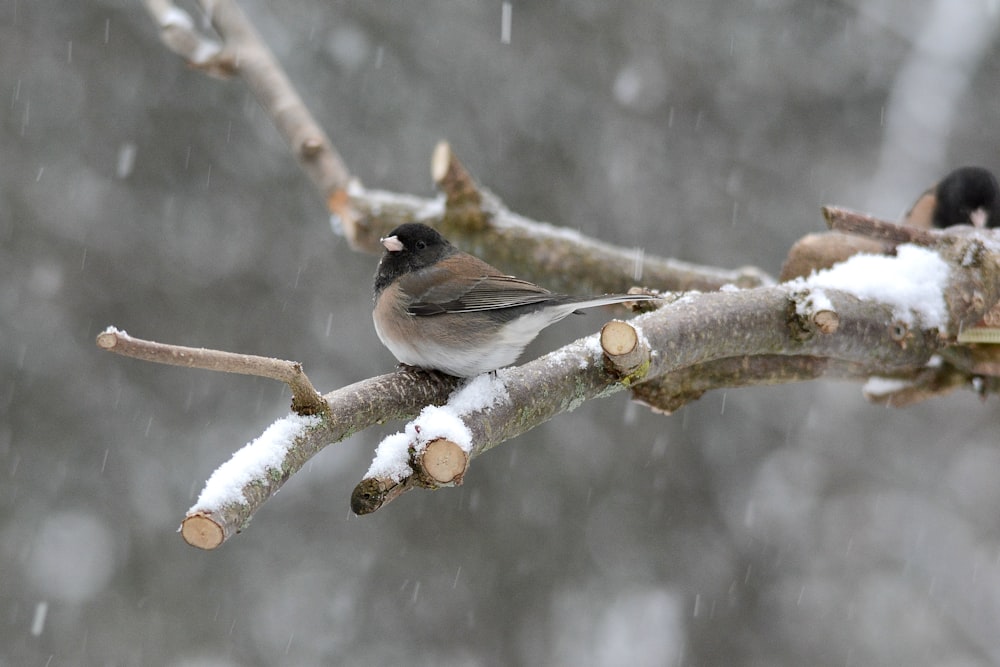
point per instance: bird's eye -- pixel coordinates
(421, 245)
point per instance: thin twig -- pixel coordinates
(305, 399)
(243, 52)
(177, 31)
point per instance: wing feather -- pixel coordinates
(431, 296)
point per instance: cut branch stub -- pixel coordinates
(624, 351)
(451, 178)
(202, 531)
(444, 462)
(810, 312)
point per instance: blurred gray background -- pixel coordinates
(773, 526)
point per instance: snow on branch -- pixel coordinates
(839, 322)
(238, 488)
(833, 321)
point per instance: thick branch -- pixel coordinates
(672, 391)
(560, 259)
(697, 331)
(706, 330)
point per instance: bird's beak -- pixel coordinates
(391, 243)
(979, 217)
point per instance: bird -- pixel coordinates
(966, 196)
(439, 308)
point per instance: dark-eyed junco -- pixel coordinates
(439, 308)
(966, 196)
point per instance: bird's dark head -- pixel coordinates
(968, 196)
(410, 247)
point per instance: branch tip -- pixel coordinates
(444, 462)
(202, 531)
(440, 160)
(106, 340)
(626, 354)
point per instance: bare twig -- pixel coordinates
(305, 399)
(473, 219)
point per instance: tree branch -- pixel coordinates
(792, 330)
(473, 219)
(305, 399)
(477, 221)
(767, 333)
(861, 224)
(243, 52)
(230, 498)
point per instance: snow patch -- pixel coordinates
(392, 456)
(880, 386)
(252, 463)
(816, 301)
(116, 331)
(912, 282)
